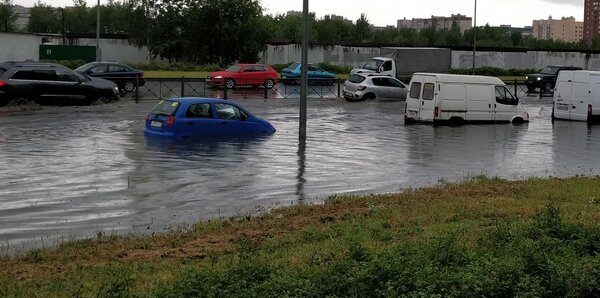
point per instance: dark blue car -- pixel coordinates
(316, 75)
(203, 118)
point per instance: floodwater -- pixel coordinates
(71, 172)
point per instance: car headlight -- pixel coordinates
(218, 77)
(539, 79)
(527, 78)
(116, 89)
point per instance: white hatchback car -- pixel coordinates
(364, 87)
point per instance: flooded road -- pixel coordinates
(71, 172)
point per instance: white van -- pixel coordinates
(577, 95)
(456, 99)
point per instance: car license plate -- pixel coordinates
(562, 107)
(156, 124)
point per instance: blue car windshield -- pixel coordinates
(294, 65)
(373, 64)
(166, 108)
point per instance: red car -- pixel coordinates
(244, 75)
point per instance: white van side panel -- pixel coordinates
(479, 101)
(453, 100)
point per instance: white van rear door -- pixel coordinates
(562, 94)
(428, 97)
(579, 101)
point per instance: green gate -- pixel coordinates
(60, 52)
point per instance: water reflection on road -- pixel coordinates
(69, 172)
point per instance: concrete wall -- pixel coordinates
(15, 46)
(357, 56)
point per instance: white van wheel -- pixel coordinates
(517, 120)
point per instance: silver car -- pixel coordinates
(364, 87)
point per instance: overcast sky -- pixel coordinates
(517, 13)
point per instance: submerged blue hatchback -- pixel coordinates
(203, 118)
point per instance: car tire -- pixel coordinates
(129, 86)
(20, 100)
(229, 83)
(101, 100)
(269, 83)
(369, 96)
(530, 88)
(547, 87)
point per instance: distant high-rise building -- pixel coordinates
(565, 29)
(440, 23)
(591, 20)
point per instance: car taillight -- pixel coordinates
(361, 88)
(2, 83)
(170, 121)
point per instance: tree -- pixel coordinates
(7, 16)
(79, 18)
(362, 29)
(43, 19)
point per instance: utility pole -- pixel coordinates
(304, 74)
(474, 34)
(62, 19)
(98, 53)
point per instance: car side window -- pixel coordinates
(64, 75)
(503, 96)
(33, 75)
(415, 90)
(115, 68)
(229, 112)
(312, 68)
(378, 81)
(395, 83)
(201, 110)
(98, 69)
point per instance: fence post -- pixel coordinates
(225, 91)
(339, 87)
(182, 86)
(516, 95)
(266, 95)
(137, 89)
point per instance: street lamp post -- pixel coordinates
(304, 74)
(474, 34)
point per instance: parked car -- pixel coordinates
(316, 74)
(244, 75)
(203, 118)
(546, 79)
(48, 83)
(364, 87)
(126, 77)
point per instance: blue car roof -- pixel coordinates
(198, 100)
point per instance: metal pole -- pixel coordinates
(62, 17)
(304, 75)
(98, 54)
(474, 34)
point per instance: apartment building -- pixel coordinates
(566, 29)
(591, 20)
(440, 23)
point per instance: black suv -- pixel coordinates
(126, 77)
(48, 83)
(546, 79)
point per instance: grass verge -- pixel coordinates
(481, 237)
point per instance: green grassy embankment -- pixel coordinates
(481, 237)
